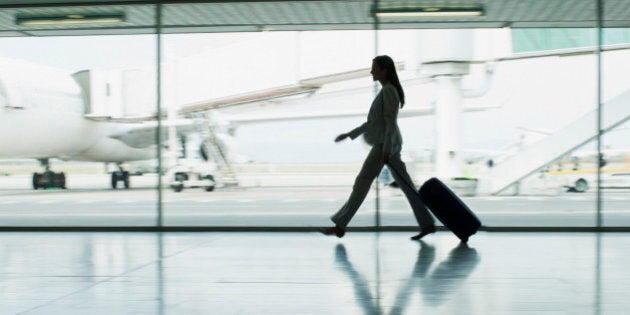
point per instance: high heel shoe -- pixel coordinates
(333, 230)
(424, 232)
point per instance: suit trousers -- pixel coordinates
(372, 168)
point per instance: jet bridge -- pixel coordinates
(536, 156)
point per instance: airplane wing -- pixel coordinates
(144, 135)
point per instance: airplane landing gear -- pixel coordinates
(48, 179)
(120, 176)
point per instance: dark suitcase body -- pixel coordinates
(449, 209)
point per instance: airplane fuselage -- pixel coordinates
(42, 116)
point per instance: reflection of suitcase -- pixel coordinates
(449, 209)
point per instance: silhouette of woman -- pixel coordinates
(381, 132)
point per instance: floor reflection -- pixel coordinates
(305, 273)
(361, 288)
(434, 285)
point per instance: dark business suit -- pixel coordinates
(382, 133)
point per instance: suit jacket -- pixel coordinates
(381, 126)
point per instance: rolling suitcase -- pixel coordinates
(447, 207)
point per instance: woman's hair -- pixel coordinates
(386, 62)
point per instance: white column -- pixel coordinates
(447, 78)
(448, 127)
(444, 56)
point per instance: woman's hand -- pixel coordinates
(341, 137)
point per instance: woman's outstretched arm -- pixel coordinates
(352, 134)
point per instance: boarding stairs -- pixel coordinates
(218, 153)
(536, 156)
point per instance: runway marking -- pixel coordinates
(76, 215)
(170, 200)
(200, 200)
(87, 201)
(293, 200)
(89, 198)
(259, 212)
(534, 198)
(530, 198)
(127, 201)
(48, 201)
(615, 198)
(244, 200)
(579, 198)
(290, 200)
(491, 198)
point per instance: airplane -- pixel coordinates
(42, 117)
(45, 114)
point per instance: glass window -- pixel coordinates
(498, 128)
(263, 110)
(615, 165)
(77, 149)
(502, 107)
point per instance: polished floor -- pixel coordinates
(307, 273)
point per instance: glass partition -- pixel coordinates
(263, 110)
(615, 153)
(78, 144)
(498, 115)
(506, 116)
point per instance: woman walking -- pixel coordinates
(381, 132)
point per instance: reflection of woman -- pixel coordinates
(381, 132)
(435, 286)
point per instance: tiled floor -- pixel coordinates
(308, 273)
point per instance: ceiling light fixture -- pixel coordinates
(72, 19)
(410, 11)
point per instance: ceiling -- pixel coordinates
(260, 15)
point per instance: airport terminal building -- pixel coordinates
(180, 157)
